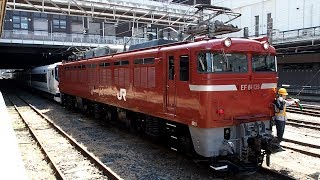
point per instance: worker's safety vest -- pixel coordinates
(280, 112)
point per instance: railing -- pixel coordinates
(296, 35)
(74, 38)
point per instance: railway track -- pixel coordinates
(304, 124)
(298, 145)
(312, 110)
(68, 159)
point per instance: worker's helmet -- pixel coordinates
(282, 91)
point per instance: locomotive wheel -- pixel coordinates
(110, 115)
(86, 110)
(97, 111)
(69, 103)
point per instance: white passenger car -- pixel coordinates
(43, 78)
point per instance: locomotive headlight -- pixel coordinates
(266, 45)
(227, 42)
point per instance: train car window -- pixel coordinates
(263, 63)
(39, 77)
(148, 61)
(121, 63)
(83, 66)
(184, 68)
(171, 68)
(144, 61)
(138, 61)
(52, 72)
(220, 62)
(104, 64)
(124, 63)
(93, 65)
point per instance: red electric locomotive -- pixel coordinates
(212, 96)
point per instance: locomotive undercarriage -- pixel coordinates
(237, 148)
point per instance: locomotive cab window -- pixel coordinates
(184, 68)
(263, 63)
(209, 62)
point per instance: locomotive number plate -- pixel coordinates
(248, 87)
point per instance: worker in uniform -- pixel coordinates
(280, 111)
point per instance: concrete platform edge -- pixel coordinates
(11, 164)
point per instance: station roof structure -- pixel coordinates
(2, 13)
(113, 11)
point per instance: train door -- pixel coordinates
(51, 79)
(170, 85)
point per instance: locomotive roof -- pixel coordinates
(185, 44)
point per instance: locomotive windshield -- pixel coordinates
(209, 62)
(263, 63)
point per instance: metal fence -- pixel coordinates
(74, 38)
(296, 35)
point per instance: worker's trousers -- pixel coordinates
(280, 129)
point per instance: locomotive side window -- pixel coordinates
(263, 63)
(138, 61)
(121, 63)
(171, 68)
(220, 62)
(144, 61)
(184, 68)
(148, 61)
(104, 64)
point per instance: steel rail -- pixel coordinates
(304, 124)
(48, 158)
(302, 143)
(302, 151)
(107, 171)
(305, 111)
